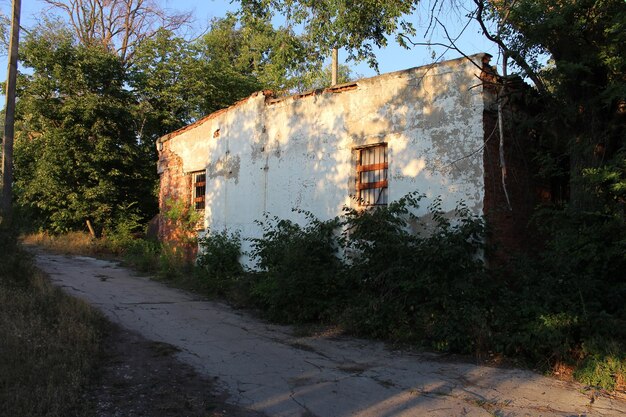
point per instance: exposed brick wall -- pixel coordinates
(507, 221)
(174, 185)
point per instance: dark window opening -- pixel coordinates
(199, 190)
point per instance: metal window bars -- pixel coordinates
(371, 175)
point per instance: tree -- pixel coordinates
(118, 25)
(276, 58)
(77, 154)
(322, 78)
(9, 120)
(581, 92)
(177, 81)
(163, 77)
(329, 24)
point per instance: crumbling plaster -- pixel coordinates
(274, 155)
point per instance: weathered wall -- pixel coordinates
(508, 213)
(275, 155)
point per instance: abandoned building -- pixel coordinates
(431, 129)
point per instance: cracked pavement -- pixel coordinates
(266, 368)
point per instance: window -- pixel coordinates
(371, 175)
(198, 188)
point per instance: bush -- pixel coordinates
(299, 267)
(414, 281)
(398, 278)
(218, 261)
(604, 364)
(142, 254)
(567, 305)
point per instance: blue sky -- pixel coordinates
(392, 58)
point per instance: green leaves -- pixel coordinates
(340, 23)
(77, 155)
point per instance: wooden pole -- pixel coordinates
(9, 123)
(334, 67)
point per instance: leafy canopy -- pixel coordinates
(77, 156)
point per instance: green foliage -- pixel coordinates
(184, 218)
(390, 282)
(338, 23)
(418, 281)
(604, 364)
(567, 305)
(173, 262)
(218, 261)
(177, 82)
(77, 157)
(578, 113)
(274, 58)
(321, 78)
(298, 266)
(141, 254)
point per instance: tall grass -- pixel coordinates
(49, 342)
(71, 243)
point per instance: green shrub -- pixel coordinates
(299, 267)
(173, 262)
(604, 364)
(418, 282)
(567, 304)
(142, 254)
(218, 261)
(398, 278)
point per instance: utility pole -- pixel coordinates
(9, 124)
(334, 67)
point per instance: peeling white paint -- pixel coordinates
(298, 152)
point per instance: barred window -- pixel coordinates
(198, 188)
(371, 175)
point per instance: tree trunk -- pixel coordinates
(9, 124)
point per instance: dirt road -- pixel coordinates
(266, 368)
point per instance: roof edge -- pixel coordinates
(480, 60)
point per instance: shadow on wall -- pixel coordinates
(275, 155)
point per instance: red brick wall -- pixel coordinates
(174, 185)
(507, 221)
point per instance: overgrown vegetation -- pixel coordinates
(398, 278)
(386, 274)
(297, 281)
(424, 283)
(49, 344)
(87, 119)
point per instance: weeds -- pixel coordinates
(384, 273)
(50, 342)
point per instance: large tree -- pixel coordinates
(582, 89)
(117, 25)
(77, 154)
(177, 81)
(329, 24)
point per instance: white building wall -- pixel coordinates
(272, 156)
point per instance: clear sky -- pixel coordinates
(392, 58)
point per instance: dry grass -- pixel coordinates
(49, 342)
(71, 243)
